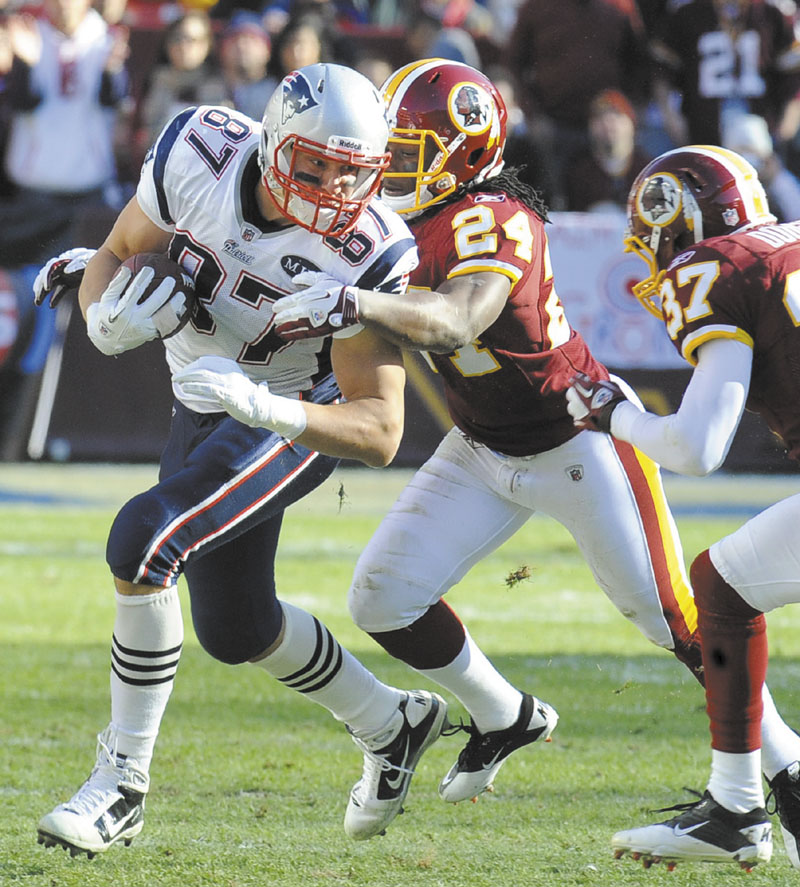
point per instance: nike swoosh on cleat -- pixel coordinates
(679, 831)
(113, 829)
(490, 763)
(396, 782)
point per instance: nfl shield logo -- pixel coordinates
(575, 472)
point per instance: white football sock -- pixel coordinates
(310, 660)
(146, 648)
(736, 780)
(780, 745)
(491, 701)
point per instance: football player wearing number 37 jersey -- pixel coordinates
(723, 277)
(483, 303)
(244, 208)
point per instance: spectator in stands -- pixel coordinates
(67, 77)
(376, 68)
(6, 63)
(470, 15)
(598, 177)
(721, 57)
(244, 52)
(561, 53)
(112, 11)
(427, 37)
(748, 135)
(278, 13)
(521, 152)
(186, 75)
(504, 16)
(304, 41)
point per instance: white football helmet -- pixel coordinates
(330, 112)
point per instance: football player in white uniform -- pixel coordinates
(243, 208)
(722, 276)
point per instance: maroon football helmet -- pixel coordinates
(449, 126)
(683, 197)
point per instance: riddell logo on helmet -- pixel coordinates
(342, 143)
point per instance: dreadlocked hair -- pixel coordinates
(509, 182)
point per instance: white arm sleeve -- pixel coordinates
(696, 439)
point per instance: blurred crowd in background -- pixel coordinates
(594, 89)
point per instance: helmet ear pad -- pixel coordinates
(676, 244)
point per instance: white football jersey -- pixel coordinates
(199, 181)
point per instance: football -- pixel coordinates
(175, 313)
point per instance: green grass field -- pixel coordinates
(250, 781)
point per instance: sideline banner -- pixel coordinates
(593, 280)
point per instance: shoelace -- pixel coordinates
(685, 806)
(373, 761)
(103, 779)
(106, 777)
(128, 775)
(771, 803)
(458, 728)
(791, 815)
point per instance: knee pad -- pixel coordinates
(131, 538)
(369, 607)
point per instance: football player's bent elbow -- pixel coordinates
(382, 443)
(702, 464)
(699, 457)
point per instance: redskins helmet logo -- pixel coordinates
(470, 108)
(659, 199)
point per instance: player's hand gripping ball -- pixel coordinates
(170, 291)
(150, 297)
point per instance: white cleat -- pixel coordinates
(107, 808)
(484, 753)
(389, 761)
(704, 832)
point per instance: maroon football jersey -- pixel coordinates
(506, 389)
(745, 286)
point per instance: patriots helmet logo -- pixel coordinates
(297, 96)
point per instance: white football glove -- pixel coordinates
(60, 274)
(326, 307)
(119, 323)
(221, 383)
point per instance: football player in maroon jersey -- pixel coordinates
(724, 277)
(486, 308)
